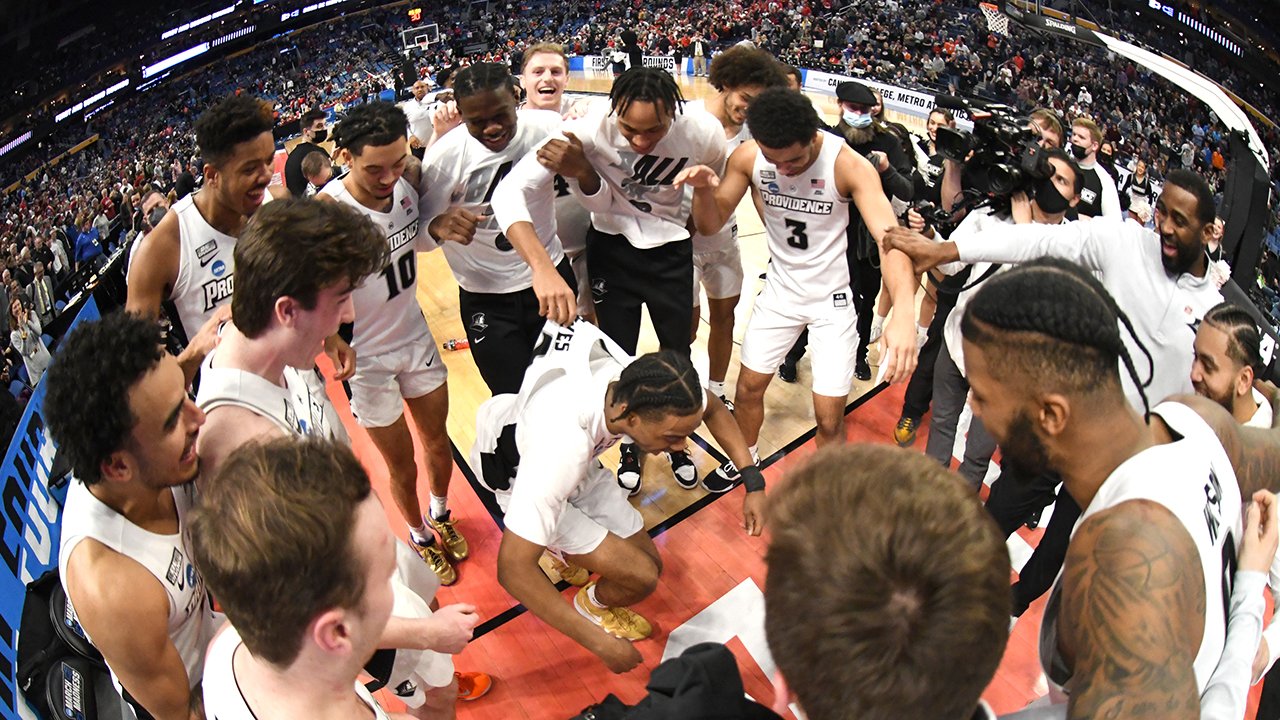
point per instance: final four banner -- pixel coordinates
(32, 516)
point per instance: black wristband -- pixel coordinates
(752, 478)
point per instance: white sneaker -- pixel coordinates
(877, 328)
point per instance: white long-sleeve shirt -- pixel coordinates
(1164, 310)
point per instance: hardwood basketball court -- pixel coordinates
(713, 576)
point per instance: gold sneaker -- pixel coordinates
(572, 574)
(454, 543)
(619, 622)
(436, 560)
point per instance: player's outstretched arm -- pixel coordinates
(714, 197)
(724, 428)
(857, 179)
(529, 183)
(1132, 615)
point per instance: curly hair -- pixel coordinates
(742, 66)
(235, 120)
(86, 403)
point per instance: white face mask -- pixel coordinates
(856, 119)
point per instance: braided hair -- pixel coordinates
(645, 84)
(1244, 341)
(658, 384)
(1054, 322)
(480, 78)
(376, 123)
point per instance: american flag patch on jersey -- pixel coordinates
(817, 184)
(405, 202)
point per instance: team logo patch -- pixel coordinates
(219, 268)
(406, 689)
(840, 299)
(479, 323)
(1087, 196)
(174, 574)
(768, 175)
(207, 252)
(598, 288)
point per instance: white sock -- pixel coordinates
(879, 319)
(421, 534)
(755, 453)
(439, 506)
(591, 595)
(716, 388)
(922, 329)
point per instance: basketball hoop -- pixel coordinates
(997, 22)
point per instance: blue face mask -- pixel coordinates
(856, 119)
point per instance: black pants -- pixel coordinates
(1011, 502)
(1269, 703)
(623, 278)
(1037, 576)
(919, 393)
(503, 329)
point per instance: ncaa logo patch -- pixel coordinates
(218, 268)
(478, 322)
(191, 575)
(598, 288)
(772, 187)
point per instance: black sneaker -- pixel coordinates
(787, 371)
(629, 470)
(722, 479)
(727, 402)
(862, 371)
(682, 467)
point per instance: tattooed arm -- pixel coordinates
(1132, 615)
(1254, 452)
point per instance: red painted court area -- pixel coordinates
(710, 590)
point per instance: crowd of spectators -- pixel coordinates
(90, 202)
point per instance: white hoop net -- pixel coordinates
(997, 22)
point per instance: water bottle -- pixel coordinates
(458, 344)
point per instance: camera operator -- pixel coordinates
(1099, 197)
(1047, 202)
(1043, 122)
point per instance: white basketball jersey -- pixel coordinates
(191, 622)
(1193, 479)
(806, 222)
(206, 267)
(223, 699)
(301, 407)
(572, 219)
(647, 209)
(728, 234)
(386, 306)
(460, 172)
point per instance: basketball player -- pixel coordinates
(187, 259)
(544, 76)
(299, 263)
(1227, 361)
(738, 74)
(1155, 546)
(639, 250)
(129, 431)
(503, 282)
(538, 452)
(308, 595)
(805, 180)
(396, 359)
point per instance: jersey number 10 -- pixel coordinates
(407, 267)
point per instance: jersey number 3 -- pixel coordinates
(798, 239)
